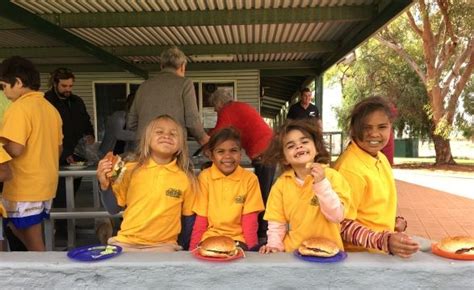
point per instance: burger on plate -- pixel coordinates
(118, 166)
(318, 247)
(219, 247)
(462, 245)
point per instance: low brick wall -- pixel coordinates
(181, 270)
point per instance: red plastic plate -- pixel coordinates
(437, 251)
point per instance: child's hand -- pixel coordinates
(268, 250)
(317, 171)
(402, 245)
(104, 170)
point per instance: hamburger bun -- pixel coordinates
(319, 247)
(219, 247)
(458, 245)
(118, 166)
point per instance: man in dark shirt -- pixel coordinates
(304, 109)
(76, 125)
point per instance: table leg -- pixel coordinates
(70, 204)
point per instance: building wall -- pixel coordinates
(247, 84)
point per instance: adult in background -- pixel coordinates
(255, 134)
(116, 137)
(76, 125)
(304, 109)
(169, 93)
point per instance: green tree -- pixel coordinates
(444, 32)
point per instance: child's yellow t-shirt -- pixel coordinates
(34, 123)
(224, 199)
(298, 206)
(155, 197)
(374, 195)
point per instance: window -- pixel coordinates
(110, 97)
(204, 90)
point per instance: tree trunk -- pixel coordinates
(443, 151)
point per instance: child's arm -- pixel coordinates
(13, 149)
(276, 233)
(187, 223)
(110, 201)
(249, 229)
(5, 172)
(200, 226)
(329, 201)
(394, 243)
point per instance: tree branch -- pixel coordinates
(461, 84)
(455, 71)
(401, 52)
(443, 8)
(411, 21)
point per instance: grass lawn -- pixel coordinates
(408, 160)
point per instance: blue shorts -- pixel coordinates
(24, 214)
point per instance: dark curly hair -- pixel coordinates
(364, 108)
(274, 154)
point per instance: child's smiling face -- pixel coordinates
(226, 156)
(298, 148)
(377, 128)
(165, 141)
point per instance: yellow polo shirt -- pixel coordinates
(298, 206)
(4, 157)
(374, 195)
(34, 123)
(155, 197)
(224, 199)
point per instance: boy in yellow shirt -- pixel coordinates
(31, 134)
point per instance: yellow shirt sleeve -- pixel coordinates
(254, 201)
(358, 187)
(3, 212)
(274, 211)
(202, 197)
(16, 126)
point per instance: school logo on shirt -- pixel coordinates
(314, 201)
(173, 192)
(240, 199)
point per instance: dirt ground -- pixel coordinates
(430, 166)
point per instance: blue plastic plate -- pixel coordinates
(94, 253)
(337, 258)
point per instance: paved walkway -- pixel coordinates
(435, 214)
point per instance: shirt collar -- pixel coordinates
(290, 173)
(172, 166)
(365, 157)
(31, 94)
(217, 174)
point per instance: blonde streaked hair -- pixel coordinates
(182, 157)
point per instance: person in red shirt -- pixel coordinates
(255, 134)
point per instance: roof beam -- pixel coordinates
(389, 12)
(273, 100)
(211, 17)
(190, 67)
(152, 50)
(24, 17)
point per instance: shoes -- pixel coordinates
(104, 231)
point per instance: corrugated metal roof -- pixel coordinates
(333, 34)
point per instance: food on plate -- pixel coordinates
(309, 165)
(118, 166)
(319, 247)
(462, 245)
(78, 163)
(219, 247)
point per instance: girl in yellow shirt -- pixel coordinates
(155, 191)
(309, 199)
(371, 222)
(229, 200)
